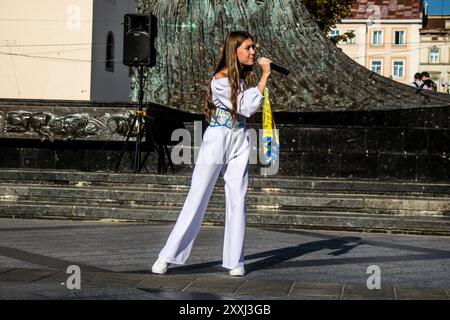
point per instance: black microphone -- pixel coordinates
(278, 68)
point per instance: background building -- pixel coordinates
(63, 49)
(435, 50)
(387, 38)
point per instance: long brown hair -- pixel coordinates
(236, 71)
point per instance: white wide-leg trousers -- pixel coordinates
(222, 151)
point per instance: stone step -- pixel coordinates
(280, 202)
(274, 209)
(258, 210)
(289, 219)
(176, 209)
(177, 182)
(328, 187)
(276, 200)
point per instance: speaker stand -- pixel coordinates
(142, 121)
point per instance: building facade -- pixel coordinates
(387, 37)
(435, 50)
(63, 49)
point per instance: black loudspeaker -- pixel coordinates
(139, 40)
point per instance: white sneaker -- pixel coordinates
(160, 266)
(238, 272)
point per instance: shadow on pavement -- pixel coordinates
(276, 256)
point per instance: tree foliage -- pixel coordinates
(326, 13)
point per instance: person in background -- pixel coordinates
(428, 82)
(418, 83)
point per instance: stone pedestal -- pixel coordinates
(405, 144)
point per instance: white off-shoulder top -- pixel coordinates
(248, 100)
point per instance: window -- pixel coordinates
(398, 69)
(376, 67)
(109, 64)
(351, 40)
(399, 37)
(334, 34)
(434, 55)
(436, 78)
(377, 38)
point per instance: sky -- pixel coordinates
(438, 7)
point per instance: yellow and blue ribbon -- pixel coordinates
(270, 139)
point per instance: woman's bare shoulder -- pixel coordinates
(221, 74)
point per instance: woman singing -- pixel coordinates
(225, 149)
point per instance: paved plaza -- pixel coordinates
(114, 261)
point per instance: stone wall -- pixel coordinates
(410, 144)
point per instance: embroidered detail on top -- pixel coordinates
(223, 118)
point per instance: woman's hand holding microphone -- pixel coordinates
(264, 64)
